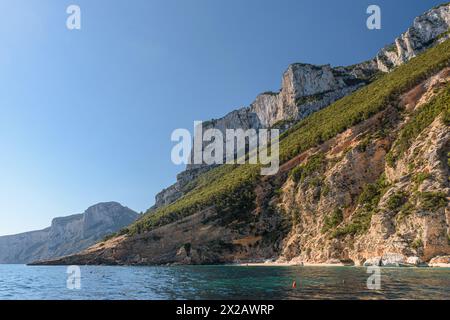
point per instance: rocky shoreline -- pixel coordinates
(387, 261)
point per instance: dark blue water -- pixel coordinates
(222, 282)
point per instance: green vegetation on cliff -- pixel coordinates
(333, 220)
(432, 201)
(367, 204)
(216, 186)
(421, 119)
(396, 200)
(314, 164)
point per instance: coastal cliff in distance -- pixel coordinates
(66, 235)
(363, 178)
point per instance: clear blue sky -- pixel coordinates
(86, 116)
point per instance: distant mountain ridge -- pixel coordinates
(66, 235)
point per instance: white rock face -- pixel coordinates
(415, 261)
(393, 260)
(440, 261)
(375, 261)
(305, 89)
(428, 29)
(66, 235)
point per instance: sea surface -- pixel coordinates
(220, 282)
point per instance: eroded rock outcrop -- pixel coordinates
(372, 212)
(427, 30)
(440, 261)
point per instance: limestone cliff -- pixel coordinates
(308, 88)
(428, 29)
(305, 89)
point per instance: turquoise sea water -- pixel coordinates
(222, 282)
